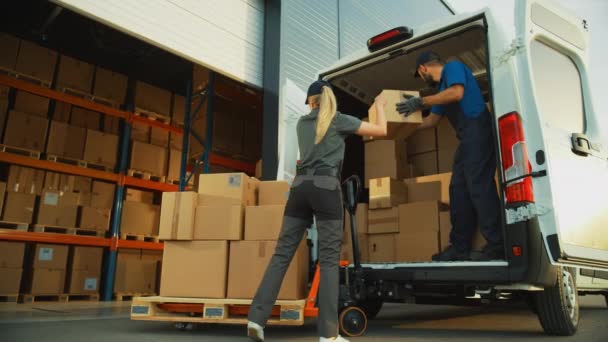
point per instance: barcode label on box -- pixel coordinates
(51, 198)
(234, 180)
(46, 254)
(90, 284)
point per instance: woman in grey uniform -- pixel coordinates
(315, 191)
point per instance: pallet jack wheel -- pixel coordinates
(184, 326)
(353, 322)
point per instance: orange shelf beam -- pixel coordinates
(131, 244)
(64, 239)
(141, 183)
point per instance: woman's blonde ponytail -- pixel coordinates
(327, 112)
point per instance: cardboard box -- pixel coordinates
(385, 158)
(273, 193)
(206, 263)
(11, 281)
(56, 215)
(85, 118)
(425, 164)
(386, 192)
(422, 141)
(179, 108)
(420, 217)
(111, 124)
(10, 48)
(102, 195)
(18, 123)
(83, 185)
(139, 196)
(62, 112)
(382, 247)
(151, 98)
(46, 281)
(135, 273)
(417, 247)
(140, 218)
(382, 221)
(175, 164)
(36, 61)
(59, 199)
(177, 215)
(74, 74)
(263, 222)
(228, 188)
(86, 258)
(149, 158)
(424, 192)
(159, 137)
(398, 126)
(11, 254)
(84, 282)
(445, 158)
(219, 222)
(445, 228)
(19, 207)
(94, 218)
(101, 148)
(140, 132)
(50, 256)
(361, 218)
(110, 85)
(446, 136)
(66, 141)
(32, 104)
(176, 141)
(444, 178)
(25, 180)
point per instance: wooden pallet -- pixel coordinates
(128, 296)
(145, 175)
(173, 181)
(90, 97)
(136, 237)
(152, 115)
(9, 298)
(78, 162)
(31, 298)
(20, 151)
(41, 228)
(223, 311)
(14, 225)
(25, 77)
(94, 297)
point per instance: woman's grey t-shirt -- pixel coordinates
(328, 153)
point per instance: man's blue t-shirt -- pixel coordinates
(472, 103)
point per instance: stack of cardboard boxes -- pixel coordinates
(225, 239)
(140, 216)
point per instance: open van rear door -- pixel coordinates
(554, 87)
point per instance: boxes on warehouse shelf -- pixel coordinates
(140, 132)
(224, 222)
(66, 140)
(32, 104)
(110, 85)
(46, 270)
(139, 219)
(111, 124)
(443, 178)
(153, 99)
(101, 148)
(36, 62)
(195, 269)
(74, 75)
(273, 193)
(385, 158)
(102, 195)
(85, 118)
(148, 158)
(263, 222)
(398, 126)
(175, 164)
(25, 180)
(136, 273)
(424, 164)
(248, 261)
(19, 207)
(19, 122)
(11, 267)
(142, 196)
(58, 209)
(94, 218)
(386, 192)
(159, 137)
(10, 48)
(84, 270)
(381, 221)
(228, 188)
(177, 215)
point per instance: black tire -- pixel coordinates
(371, 307)
(558, 306)
(353, 322)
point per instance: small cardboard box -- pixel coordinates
(110, 85)
(85, 118)
(36, 61)
(385, 158)
(195, 269)
(66, 141)
(382, 247)
(74, 74)
(19, 207)
(444, 178)
(420, 217)
(382, 221)
(159, 137)
(425, 164)
(399, 126)
(11, 254)
(94, 218)
(140, 196)
(11, 281)
(140, 218)
(83, 282)
(417, 247)
(10, 48)
(219, 222)
(361, 218)
(149, 158)
(25, 180)
(32, 104)
(228, 188)
(177, 215)
(263, 222)
(34, 125)
(151, 98)
(102, 195)
(424, 192)
(386, 192)
(50, 256)
(273, 193)
(101, 148)
(45, 281)
(422, 141)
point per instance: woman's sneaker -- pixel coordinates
(335, 339)
(255, 332)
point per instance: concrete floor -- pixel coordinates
(92, 322)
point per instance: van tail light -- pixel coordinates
(389, 37)
(515, 162)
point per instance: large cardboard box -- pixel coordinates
(179, 108)
(386, 192)
(34, 125)
(421, 141)
(19, 207)
(382, 221)
(102, 195)
(135, 273)
(94, 218)
(110, 85)
(85, 118)
(36, 61)
(444, 178)
(398, 126)
(11, 281)
(425, 164)
(66, 141)
(175, 164)
(417, 247)
(52, 213)
(420, 217)
(32, 104)
(177, 215)
(50, 256)
(101, 148)
(149, 158)
(140, 218)
(11, 254)
(74, 74)
(195, 269)
(445, 228)
(159, 137)
(10, 48)
(385, 158)
(263, 222)
(151, 98)
(141, 196)
(47, 281)
(381, 247)
(83, 282)
(219, 222)
(273, 193)
(423, 192)
(25, 180)
(228, 188)
(249, 260)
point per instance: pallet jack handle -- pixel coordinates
(352, 187)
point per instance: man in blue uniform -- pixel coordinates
(473, 197)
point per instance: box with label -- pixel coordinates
(398, 126)
(417, 247)
(420, 217)
(228, 188)
(66, 141)
(10, 48)
(385, 158)
(177, 215)
(195, 269)
(424, 192)
(83, 282)
(381, 247)
(110, 85)
(248, 262)
(94, 218)
(18, 207)
(219, 222)
(273, 193)
(36, 61)
(32, 104)
(443, 178)
(148, 158)
(102, 195)
(11, 254)
(101, 148)
(34, 125)
(386, 192)
(50, 256)
(151, 98)
(159, 137)
(85, 118)
(52, 213)
(424, 164)
(139, 196)
(139, 218)
(74, 74)
(25, 180)
(263, 222)
(382, 221)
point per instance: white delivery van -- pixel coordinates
(552, 165)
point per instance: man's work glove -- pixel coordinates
(409, 105)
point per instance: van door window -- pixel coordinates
(557, 84)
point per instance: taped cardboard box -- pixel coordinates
(36, 61)
(382, 247)
(417, 247)
(19, 207)
(101, 148)
(159, 137)
(66, 141)
(11, 254)
(85, 118)
(11, 281)
(219, 222)
(381, 221)
(249, 260)
(443, 178)
(273, 193)
(385, 158)
(424, 192)
(206, 263)
(94, 218)
(151, 98)
(175, 164)
(386, 192)
(32, 104)
(399, 126)
(74, 74)
(18, 123)
(148, 158)
(263, 222)
(57, 209)
(110, 85)
(228, 188)
(139, 196)
(102, 195)
(25, 180)
(10, 48)
(140, 218)
(420, 217)
(424, 164)
(422, 141)
(177, 215)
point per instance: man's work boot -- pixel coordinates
(452, 254)
(489, 252)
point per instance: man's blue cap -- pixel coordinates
(315, 88)
(424, 58)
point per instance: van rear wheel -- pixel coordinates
(557, 307)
